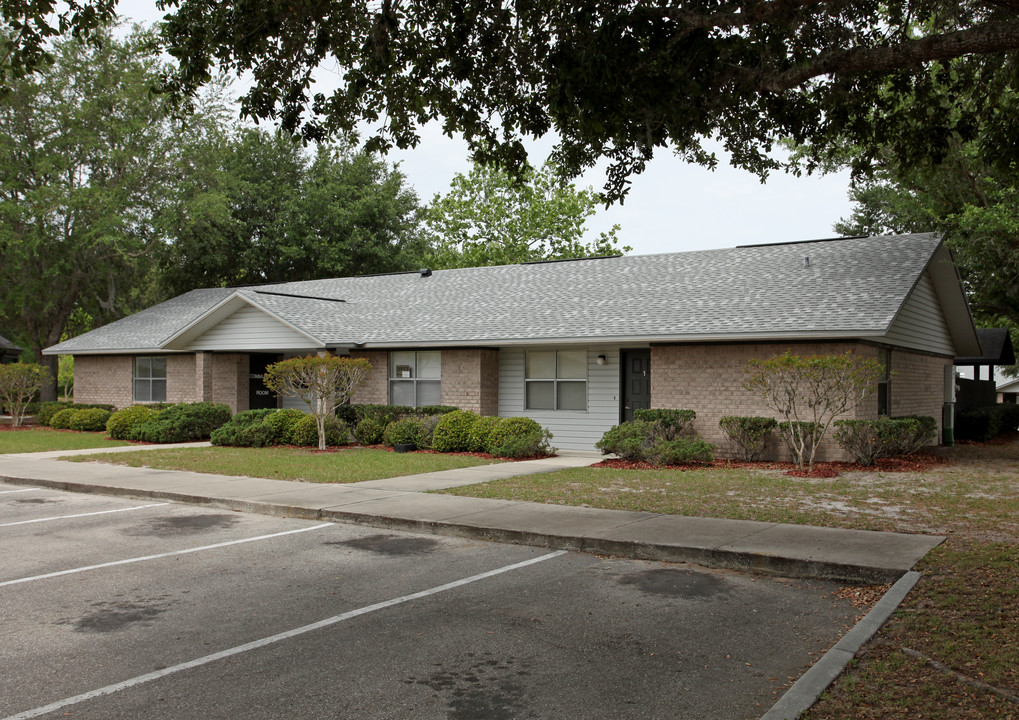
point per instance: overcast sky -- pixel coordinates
(673, 206)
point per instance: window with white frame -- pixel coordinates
(415, 377)
(555, 380)
(150, 379)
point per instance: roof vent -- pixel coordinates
(806, 261)
(425, 272)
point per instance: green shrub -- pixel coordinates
(121, 423)
(305, 432)
(245, 429)
(186, 422)
(867, 440)
(924, 432)
(62, 420)
(453, 431)
(749, 435)
(681, 451)
(630, 440)
(281, 424)
(520, 440)
(48, 409)
(434, 410)
(403, 432)
(479, 439)
(369, 431)
(89, 420)
(986, 423)
(671, 423)
(428, 425)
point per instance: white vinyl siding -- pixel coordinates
(920, 324)
(571, 429)
(250, 329)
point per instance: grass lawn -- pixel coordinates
(36, 439)
(961, 618)
(348, 465)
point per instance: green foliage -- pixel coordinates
(19, 382)
(614, 81)
(671, 423)
(87, 153)
(867, 440)
(402, 432)
(186, 422)
(649, 441)
(809, 392)
(245, 429)
(453, 431)
(305, 432)
(986, 423)
(748, 435)
(926, 433)
(323, 383)
(281, 424)
(65, 376)
(89, 420)
(121, 422)
(48, 409)
(481, 433)
(369, 431)
(261, 208)
(518, 437)
(490, 218)
(61, 420)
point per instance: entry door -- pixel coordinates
(636, 382)
(259, 396)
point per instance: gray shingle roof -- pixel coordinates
(852, 286)
(7, 346)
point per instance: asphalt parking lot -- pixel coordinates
(114, 608)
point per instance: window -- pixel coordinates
(150, 379)
(884, 397)
(415, 378)
(555, 380)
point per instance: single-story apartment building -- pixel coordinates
(577, 345)
(9, 352)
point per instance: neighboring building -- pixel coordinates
(995, 350)
(576, 345)
(1008, 391)
(9, 352)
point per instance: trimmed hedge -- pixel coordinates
(47, 410)
(517, 437)
(986, 423)
(671, 423)
(186, 422)
(121, 422)
(480, 435)
(402, 432)
(648, 441)
(245, 429)
(369, 431)
(62, 419)
(453, 432)
(385, 414)
(281, 424)
(89, 420)
(305, 432)
(748, 434)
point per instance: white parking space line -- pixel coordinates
(80, 515)
(272, 639)
(8, 492)
(143, 558)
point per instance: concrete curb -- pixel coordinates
(805, 691)
(461, 526)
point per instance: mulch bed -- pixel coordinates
(914, 463)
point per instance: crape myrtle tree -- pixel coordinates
(19, 382)
(489, 218)
(809, 392)
(322, 382)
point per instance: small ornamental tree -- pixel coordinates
(323, 383)
(19, 382)
(809, 392)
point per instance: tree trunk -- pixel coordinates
(48, 391)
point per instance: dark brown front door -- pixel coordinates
(636, 382)
(259, 396)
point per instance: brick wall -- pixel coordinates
(104, 379)
(180, 379)
(470, 379)
(230, 380)
(376, 390)
(709, 378)
(917, 385)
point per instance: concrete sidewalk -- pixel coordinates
(398, 503)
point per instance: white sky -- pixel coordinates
(673, 206)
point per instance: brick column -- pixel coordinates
(375, 391)
(470, 379)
